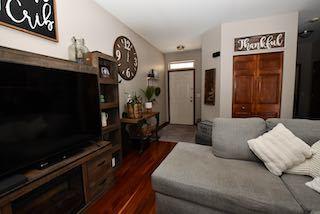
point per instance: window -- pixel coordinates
(181, 65)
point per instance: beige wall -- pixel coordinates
(100, 29)
(287, 23)
(211, 43)
(183, 56)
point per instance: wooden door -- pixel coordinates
(243, 85)
(269, 85)
(181, 97)
(257, 83)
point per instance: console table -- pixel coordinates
(139, 123)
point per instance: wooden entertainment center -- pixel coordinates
(78, 180)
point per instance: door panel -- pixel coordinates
(243, 84)
(257, 85)
(268, 89)
(181, 93)
(270, 63)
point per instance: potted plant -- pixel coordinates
(150, 93)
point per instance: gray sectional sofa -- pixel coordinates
(229, 178)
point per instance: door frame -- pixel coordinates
(194, 92)
(281, 78)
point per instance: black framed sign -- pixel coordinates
(37, 17)
(266, 41)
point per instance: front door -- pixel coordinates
(181, 97)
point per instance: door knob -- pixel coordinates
(243, 108)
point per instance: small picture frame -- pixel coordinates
(210, 87)
(104, 72)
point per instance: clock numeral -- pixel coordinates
(128, 73)
(118, 55)
(127, 44)
(135, 62)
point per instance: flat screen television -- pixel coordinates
(44, 113)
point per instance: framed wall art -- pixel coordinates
(36, 17)
(210, 87)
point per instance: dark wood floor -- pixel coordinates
(132, 192)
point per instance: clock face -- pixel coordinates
(127, 58)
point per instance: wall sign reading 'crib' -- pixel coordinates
(37, 17)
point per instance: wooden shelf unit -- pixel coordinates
(95, 161)
(109, 87)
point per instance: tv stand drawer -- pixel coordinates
(99, 166)
(99, 186)
(99, 174)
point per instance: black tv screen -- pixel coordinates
(44, 112)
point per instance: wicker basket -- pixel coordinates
(136, 131)
(134, 111)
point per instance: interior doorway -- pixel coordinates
(181, 85)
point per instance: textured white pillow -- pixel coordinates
(310, 167)
(280, 149)
(314, 184)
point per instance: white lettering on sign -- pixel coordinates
(260, 42)
(32, 21)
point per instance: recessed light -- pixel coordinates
(315, 19)
(180, 47)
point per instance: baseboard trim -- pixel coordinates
(163, 125)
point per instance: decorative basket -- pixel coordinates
(144, 131)
(134, 111)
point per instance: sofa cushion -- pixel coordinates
(306, 197)
(190, 172)
(311, 166)
(230, 136)
(280, 149)
(306, 130)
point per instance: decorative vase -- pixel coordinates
(81, 50)
(104, 119)
(77, 50)
(72, 50)
(148, 106)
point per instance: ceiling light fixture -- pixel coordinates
(180, 47)
(315, 19)
(305, 34)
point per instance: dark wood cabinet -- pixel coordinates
(257, 83)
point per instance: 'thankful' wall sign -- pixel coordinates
(36, 17)
(267, 41)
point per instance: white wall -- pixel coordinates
(211, 43)
(183, 56)
(86, 19)
(287, 23)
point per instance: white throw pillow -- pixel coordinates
(314, 184)
(310, 167)
(280, 149)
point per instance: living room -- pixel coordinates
(159, 106)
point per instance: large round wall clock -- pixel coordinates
(127, 58)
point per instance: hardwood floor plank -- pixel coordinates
(132, 192)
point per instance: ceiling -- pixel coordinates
(168, 23)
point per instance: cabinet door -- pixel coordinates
(269, 84)
(244, 69)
